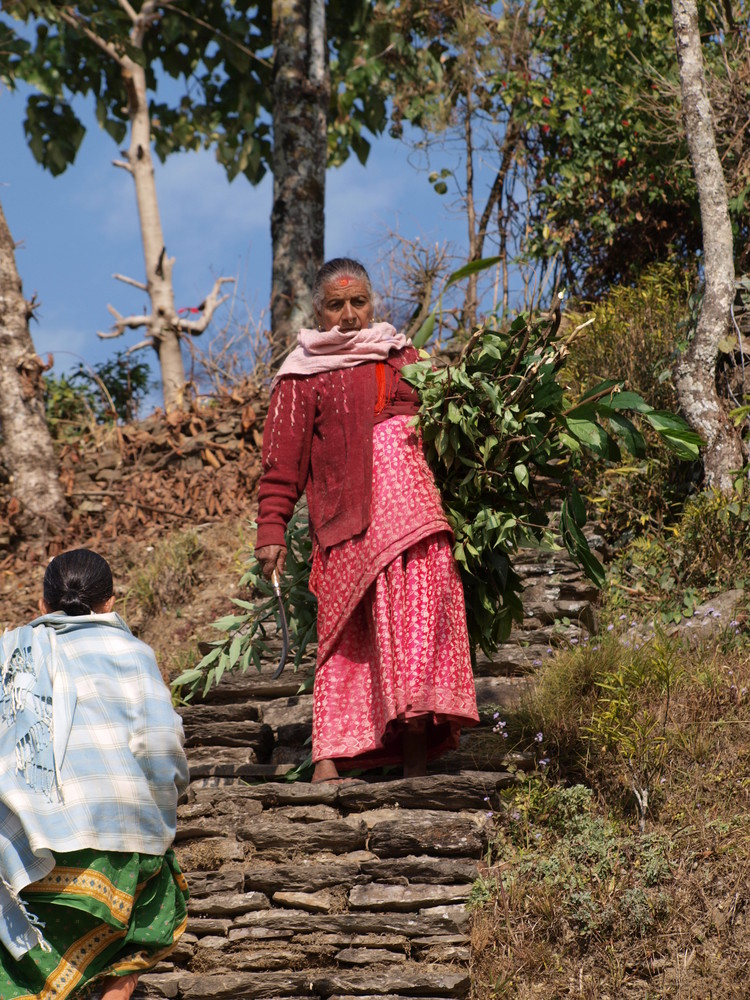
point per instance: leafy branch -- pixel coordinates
(248, 636)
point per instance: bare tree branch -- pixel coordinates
(123, 323)
(131, 281)
(139, 346)
(211, 304)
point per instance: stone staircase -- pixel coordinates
(350, 890)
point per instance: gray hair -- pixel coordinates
(339, 267)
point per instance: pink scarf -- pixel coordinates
(327, 350)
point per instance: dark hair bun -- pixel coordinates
(77, 581)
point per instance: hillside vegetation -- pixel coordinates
(620, 868)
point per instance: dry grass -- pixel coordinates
(575, 901)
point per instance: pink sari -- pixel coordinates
(392, 641)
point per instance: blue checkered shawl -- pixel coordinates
(90, 752)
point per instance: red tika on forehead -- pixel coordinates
(344, 282)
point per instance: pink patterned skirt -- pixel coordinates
(392, 640)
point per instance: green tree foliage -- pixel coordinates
(614, 186)
(67, 56)
(105, 392)
(634, 337)
(220, 55)
(577, 107)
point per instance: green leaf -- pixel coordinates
(473, 267)
(592, 435)
(629, 434)
(521, 473)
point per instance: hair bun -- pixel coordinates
(72, 604)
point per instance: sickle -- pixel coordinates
(276, 583)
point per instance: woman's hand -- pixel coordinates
(271, 557)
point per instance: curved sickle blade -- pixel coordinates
(276, 582)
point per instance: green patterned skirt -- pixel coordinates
(103, 914)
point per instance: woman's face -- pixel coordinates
(346, 304)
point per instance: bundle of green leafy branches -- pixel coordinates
(499, 429)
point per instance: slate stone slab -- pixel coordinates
(436, 920)
(195, 715)
(408, 979)
(322, 901)
(208, 883)
(287, 793)
(256, 735)
(204, 926)
(288, 711)
(378, 941)
(244, 688)
(303, 875)
(259, 934)
(227, 904)
(441, 792)
(272, 960)
(281, 835)
(454, 836)
(425, 869)
(405, 898)
(368, 956)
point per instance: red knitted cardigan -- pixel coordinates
(318, 439)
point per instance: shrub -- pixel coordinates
(103, 393)
(635, 335)
(705, 552)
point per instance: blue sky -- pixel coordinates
(75, 231)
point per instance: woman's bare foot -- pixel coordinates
(325, 770)
(119, 987)
(415, 748)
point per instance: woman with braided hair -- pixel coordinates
(393, 681)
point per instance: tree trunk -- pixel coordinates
(28, 452)
(162, 325)
(301, 93)
(696, 371)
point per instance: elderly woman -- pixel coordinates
(393, 679)
(91, 767)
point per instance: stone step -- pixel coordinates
(410, 979)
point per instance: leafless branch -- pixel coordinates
(131, 281)
(123, 323)
(123, 164)
(209, 306)
(139, 346)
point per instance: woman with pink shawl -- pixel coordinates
(393, 681)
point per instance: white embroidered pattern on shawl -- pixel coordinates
(21, 697)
